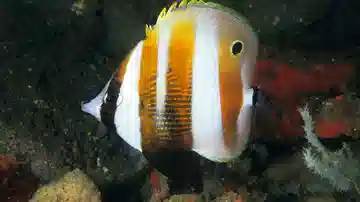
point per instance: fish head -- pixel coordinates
(238, 45)
(238, 51)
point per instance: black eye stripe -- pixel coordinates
(109, 105)
(111, 98)
(261, 99)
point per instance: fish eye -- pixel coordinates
(236, 48)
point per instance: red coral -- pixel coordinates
(155, 181)
(330, 128)
(288, 87)
(159, 191)
(7, 164)
(16, 183)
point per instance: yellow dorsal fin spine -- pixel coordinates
(161, 15)
(147, 30)
(175, 5)
(191, 2)
(183, 3)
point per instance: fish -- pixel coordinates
(184, 91)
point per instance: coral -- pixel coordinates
(6, 162)
(17, 184)
(75, 186)
(230, 196)
(159, 185)
(330, 128)
(339, 115)
(227, 196)
(288, 87)
(340, 168)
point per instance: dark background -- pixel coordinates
(52, 58)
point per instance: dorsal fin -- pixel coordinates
(183, 3)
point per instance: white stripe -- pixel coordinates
(164, 35)
(206, 108)
(248, 97)
(127, 119)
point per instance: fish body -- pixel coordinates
(185, 88)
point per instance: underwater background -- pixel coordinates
(54, 54)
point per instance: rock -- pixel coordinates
(290, 175)
(75, 186)
(230, 196)
(320, 199)
(54, 60)
(42, 163)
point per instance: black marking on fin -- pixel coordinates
(181, 167)
(108, 108)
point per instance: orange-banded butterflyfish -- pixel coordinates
(186, 86)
